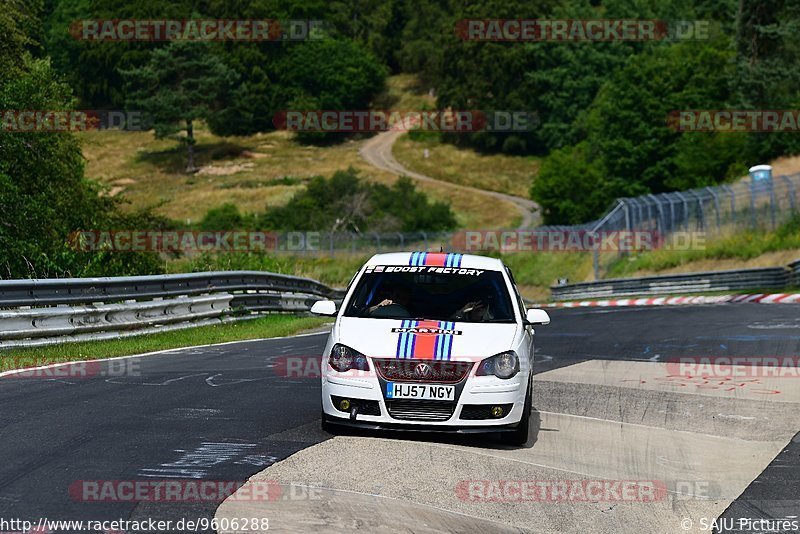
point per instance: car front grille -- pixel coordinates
(440, 372)
(419, 410)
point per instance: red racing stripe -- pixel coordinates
(424, 344)
(435, 259)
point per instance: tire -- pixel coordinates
(327, 426)
(519, 436)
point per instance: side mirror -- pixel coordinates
(324, 307)
(537, 316)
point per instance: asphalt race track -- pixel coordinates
(607, 407)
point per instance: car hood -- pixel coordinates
(394, 338)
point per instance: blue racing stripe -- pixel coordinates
(437, 345)
(449, 350)
(409, 342)
(400, 340)
(413, 341)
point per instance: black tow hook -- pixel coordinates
(354, 412)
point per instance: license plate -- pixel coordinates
(395, 390)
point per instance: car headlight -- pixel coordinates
(343, 358)
(503, 365)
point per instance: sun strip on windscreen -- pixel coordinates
(435, 259)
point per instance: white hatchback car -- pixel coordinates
(430, 341)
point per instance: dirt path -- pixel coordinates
(378, 152)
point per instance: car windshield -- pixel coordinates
(474, 297)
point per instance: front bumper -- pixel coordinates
(473, 391)
(450, 428)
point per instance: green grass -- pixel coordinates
(464, 166)
(334, 272)
(744, 246)
(404, 92)
(536, 272)
(254, 172)
(263, 327)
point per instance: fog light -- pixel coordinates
(497, 411)
(344, 405)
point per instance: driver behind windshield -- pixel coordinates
(397, 296)
(478, 307)
(475, 311)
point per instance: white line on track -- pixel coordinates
(154, 353)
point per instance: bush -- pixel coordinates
(344, 202)
(225, 217)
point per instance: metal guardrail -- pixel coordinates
(762, 278)
(39, 312)
(55, 291)
(71, 320)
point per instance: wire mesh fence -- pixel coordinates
(720, 210)
(748, 204)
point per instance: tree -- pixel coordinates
(19, 31)
(182, 83)
(92, 68)
(627, 122)
(768, 68)
(329, 75)
(573, 188)
(44, 196)
(374, 24)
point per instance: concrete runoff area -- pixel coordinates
(757, 384)
(232, 413)
(701, 442)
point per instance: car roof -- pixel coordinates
(443, 259)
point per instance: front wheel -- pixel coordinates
(519, 436)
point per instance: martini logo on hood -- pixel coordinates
(425, 340)
(425, 331)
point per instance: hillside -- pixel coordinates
(266, 169)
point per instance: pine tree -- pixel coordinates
(181, 84)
